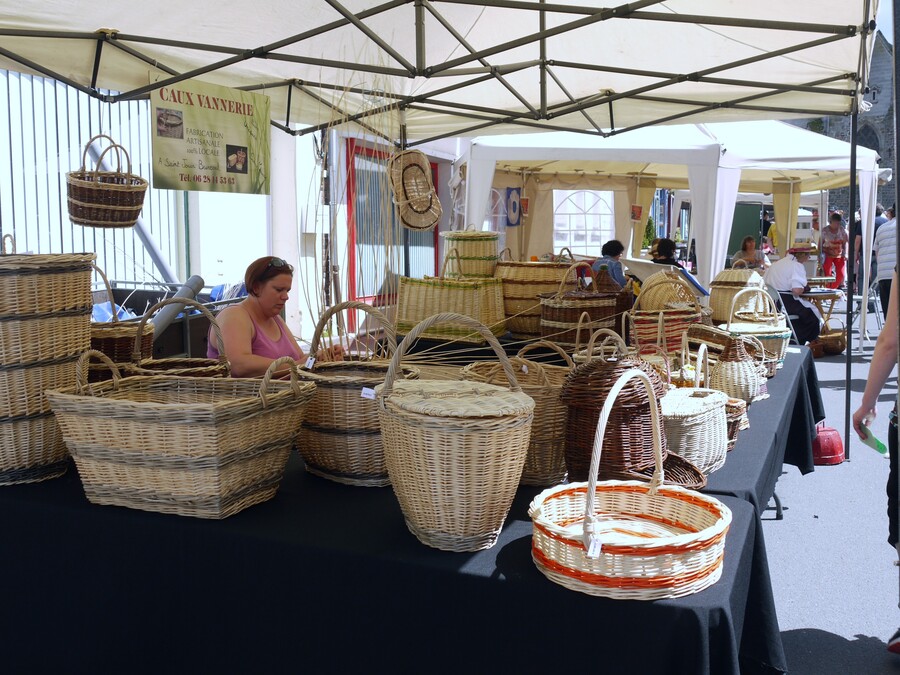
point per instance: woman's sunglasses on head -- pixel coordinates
(278, 262)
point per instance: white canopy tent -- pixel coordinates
(714, 160)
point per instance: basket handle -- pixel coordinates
(760, 349)
(88, 147)
(703, 353)
(352, 304)
(573, 268)
(767, 300)
(584, 315)
(109, 293)
(671, 278)
(119, 149)
(661, 352)
(136, 351)
(590, 538)
(447, 258)
(559, 256)
(522, 364)
(552, 345)
(507, 252)
(82, 366)
(609, 336)
(424, 325)
(739, 264)
(270, 372)
(12, 244)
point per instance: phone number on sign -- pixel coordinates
(215, 180)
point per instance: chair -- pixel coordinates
(874, 305)
(779, 305)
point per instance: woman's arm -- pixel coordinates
(237, 338)
(883, 361)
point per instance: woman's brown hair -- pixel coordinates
(263, 269)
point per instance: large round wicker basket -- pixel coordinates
(454, 450)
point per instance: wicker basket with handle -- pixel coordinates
(665, 325)
(629, 539)
(193, 446)
(523, 282)
(766, 325)
(725, 286)
(561, 311)
(478, 251)
(545, 463)
(454, 450)
(340, 438)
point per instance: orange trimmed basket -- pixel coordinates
(629, 539)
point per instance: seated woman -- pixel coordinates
(750, 256)
(665, 253)
(253, 333)
(610, 254)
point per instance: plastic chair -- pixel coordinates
(779, 305)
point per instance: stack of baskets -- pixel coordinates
(340, 438)
(478, 251)
(110, 199)
(629, 539)
(725, 286)
(561, 312)
(193, 446)
(454, 450)
(523, 282)
(545, 463)
(45, 324)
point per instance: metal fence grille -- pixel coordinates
(44, 127)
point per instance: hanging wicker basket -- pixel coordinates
(414, 194)
(628, 539)
(454, 450)
(111, 199)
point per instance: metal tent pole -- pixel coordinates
(851, 282)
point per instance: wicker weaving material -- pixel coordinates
(340, 438)
(184, 366)
(523, 282)
(105, 198)
(478, 251)
(626, 539)
(628, 442)
(725, 286)
(545, 463)
(661, 316)
(561, 312)
(696, 426)
(30, 338)
(454, 450)
(611, 346)
(192, 446)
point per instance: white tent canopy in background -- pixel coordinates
(450, 68)
(714, 160)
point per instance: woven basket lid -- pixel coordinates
(738, 277)
(747, 327)
(436, 398)
(684, 402)
(605, 283)
(469, 234)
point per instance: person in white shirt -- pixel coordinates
(885, 248)
(788, 277)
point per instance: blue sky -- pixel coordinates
(885, 19)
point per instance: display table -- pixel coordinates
(824, 300)
(326, 578)
(782, 429)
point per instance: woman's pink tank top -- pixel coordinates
(262, 345)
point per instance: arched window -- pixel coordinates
(582, 220)
(868, 138)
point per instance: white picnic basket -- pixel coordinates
(629, 539)
(766, 325)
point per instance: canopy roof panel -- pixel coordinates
(464, 67)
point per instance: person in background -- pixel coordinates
(765, 224)
(880, 217)
(856, 236)
(611, 254)
(665, 253)
(653, 251)
(750, 255)
(788, 277)
(253, 333)
(883, 361)
(885, 249)
(834, 246)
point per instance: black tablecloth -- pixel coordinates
(326, 578)
(782, 428)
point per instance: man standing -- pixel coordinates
(834, 245)
(788, 277)
(885, 248)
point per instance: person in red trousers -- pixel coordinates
(834, 245)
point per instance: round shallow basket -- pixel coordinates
(115, 338)
(32, 449)
(478, 251)
(35, 285)
(340, 438)
(522, 284)
(725, 286)
(562, 311)
(111, 199)
(454, 450)
(767, 325)
(545, 463)
(184, 366)
(662, 289)
(628, 539)
(192, 446)
(696, 426)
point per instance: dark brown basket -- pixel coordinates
(628, 443)
(111, 199)
(561, 311)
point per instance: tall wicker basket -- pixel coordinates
(725, 286)
(523, 282)
(454, 450)
(629, 539)
(478, 251)
(193, 446)
(340, 438)
(45, 324)
(562, 311)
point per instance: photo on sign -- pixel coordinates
(236, 158)
(169, 123)
(636, 211)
